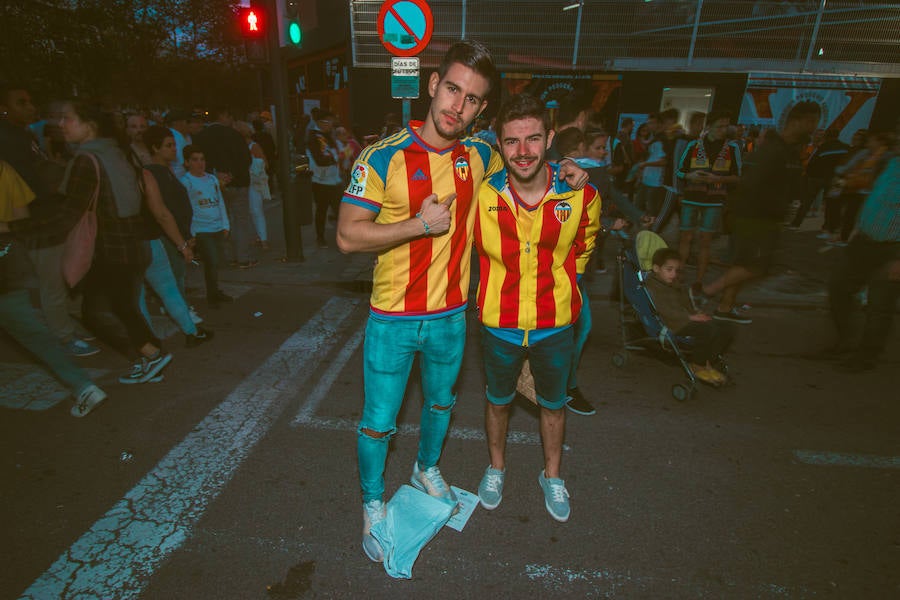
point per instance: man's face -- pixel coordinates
(524, 144)
(652, 125)
(326, 124)
(135, 126)
(718, 129)
(168, 151)
(18, 108)
(456, 100)
(808, 124)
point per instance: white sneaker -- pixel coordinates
(197, 319)
(374, 512)
(87, 400)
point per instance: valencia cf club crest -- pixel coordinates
(462, 168)
(562, 211)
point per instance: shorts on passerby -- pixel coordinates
(550, 361)
(755, 242)
(707, 219)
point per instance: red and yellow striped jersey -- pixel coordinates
(428, 276)
(529, 259)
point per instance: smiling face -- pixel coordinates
(524, 143)
(455, 102)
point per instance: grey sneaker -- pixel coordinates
(87, 400)
(79, 347)
(556, 497)
(146, 369)
(490, 490)
(432, 483)
(374, 512)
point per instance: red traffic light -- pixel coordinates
(252, 21)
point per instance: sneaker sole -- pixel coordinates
(489, 506)
(593, 411)
(734, 320)
(156, 369)
(418, 485)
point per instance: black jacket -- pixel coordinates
(225, 152)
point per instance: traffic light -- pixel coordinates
(291, 30)
(252, 21)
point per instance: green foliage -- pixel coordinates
(137, 52)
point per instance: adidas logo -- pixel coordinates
(419, 175)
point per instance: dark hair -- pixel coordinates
(627, 121)
(884, 138)
(567, 140)
(7, 87)
(155, 136)
(718, 114)
(801, 110)
(258, 125)
(664, 255)
(93, 112)
(591, 135)
(669, 115)
(570, 107)
(471, 54)
(521, 106)
(652, 115)
(191, 149)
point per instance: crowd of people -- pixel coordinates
(168, 190)
(171, 190)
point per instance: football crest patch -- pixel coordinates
(563, 211)
(462, 168)
(358, 178)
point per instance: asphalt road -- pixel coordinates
(236, 476)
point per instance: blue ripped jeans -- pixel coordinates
(389, 351)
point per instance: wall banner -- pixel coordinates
(847, 102)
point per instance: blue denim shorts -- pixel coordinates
(703, 218)
(550, 360)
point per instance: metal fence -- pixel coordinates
(815, 36)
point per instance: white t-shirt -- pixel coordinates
(653, 176)
(210, 215)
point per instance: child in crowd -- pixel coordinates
(711, 337)
(209, 224)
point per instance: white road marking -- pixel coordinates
(839, 459)
(306, 415)
(458, 433)
(117, 556)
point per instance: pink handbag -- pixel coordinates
(78, 251)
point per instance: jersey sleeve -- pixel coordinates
(366, 188)
(589, 226)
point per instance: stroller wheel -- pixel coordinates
(682, 392)
(619, 359)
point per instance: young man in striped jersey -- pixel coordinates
(409, 200)
(534, 235)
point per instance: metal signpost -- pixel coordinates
(405, 28)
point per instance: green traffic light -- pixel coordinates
(294, 32)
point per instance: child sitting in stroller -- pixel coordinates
(711, 338)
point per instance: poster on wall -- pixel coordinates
(847, 102)
(600, 93)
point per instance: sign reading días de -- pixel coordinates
(404, 28)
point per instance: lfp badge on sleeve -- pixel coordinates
(405, 77)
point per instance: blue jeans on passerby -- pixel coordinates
(549, 359)
(17, 317)
(581, 329)
(159, 276)
(176, 261)
(237, 201)
(391, 346)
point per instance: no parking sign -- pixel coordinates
(405, 26)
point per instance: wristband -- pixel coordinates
(424, 222)
(183, 246)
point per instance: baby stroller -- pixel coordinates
(642, 328)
